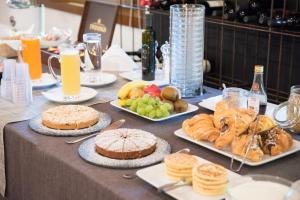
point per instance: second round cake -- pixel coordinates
(125, 143)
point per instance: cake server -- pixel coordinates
(114, 125)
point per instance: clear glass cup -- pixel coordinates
(287, 114)
(31, 53)
(91, 53)
(70, 71)
(187, 47)
(262, 187)
(235, 97)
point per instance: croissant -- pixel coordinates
(240, 144)
(261, 124)
(233, 124)
(275, 141)
(201, 127)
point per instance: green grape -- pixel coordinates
(129, 102)
(146, 97)
(140, 110)
(169, 106)
(165, 113)
(163, 107)
(133, 107)
(151, 101)
(152, 114)
(159, 113)
(149, 108)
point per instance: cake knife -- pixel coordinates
(114, 125)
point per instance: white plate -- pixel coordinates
(210, 104)
(191, 108)
(136, 75)
(101, 80)
(56, 95)
(46, 80)
(226, 152)
(155, 175)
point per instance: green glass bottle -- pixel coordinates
(148, 49)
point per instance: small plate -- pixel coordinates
(87, 152)
(156, 176)
(101, 80)
(191, 108)
(136, 75)
(56, 95)
(46, 80)
(226, 152)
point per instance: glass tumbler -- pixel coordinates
(187, 46)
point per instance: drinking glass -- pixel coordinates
(287, 114)
(187, 47)
(92, 51)
(31, 52)
(70, 71)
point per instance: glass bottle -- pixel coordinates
(148, 49)
(258, 89)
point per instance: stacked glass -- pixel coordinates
(187, 48)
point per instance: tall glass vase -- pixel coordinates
(187, 47)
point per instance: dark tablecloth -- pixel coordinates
(45, 168)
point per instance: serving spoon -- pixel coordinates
(114, 125)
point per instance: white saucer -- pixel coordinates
(56, 95)
(46, 80)
(101, 80)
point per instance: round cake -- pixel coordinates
(125, 143)
(70, 117)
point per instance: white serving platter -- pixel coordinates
(56, 95)
(156, 176)
(211, 102)
(191, 108)
(137, 75)
(226, 152)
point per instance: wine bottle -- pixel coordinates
(148, 48)
(229, 10)
(259, 5)
(212, 8)
(246, 15)
(258, 88)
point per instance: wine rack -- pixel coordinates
(234, 47)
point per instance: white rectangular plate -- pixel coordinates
(155, 175)
(137, 75)
(191, 108)
(226, 152)
(210, 104)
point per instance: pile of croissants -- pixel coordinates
(238, 128)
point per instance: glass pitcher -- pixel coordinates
(287, 114)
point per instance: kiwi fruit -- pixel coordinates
(180, 106)
(169, 93)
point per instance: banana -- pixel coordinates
(125, 89)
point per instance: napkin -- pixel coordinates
(116, 59)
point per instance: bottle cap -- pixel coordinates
(259, 69)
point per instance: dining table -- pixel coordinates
(45, 167)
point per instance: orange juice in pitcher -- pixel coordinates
(31, 52)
